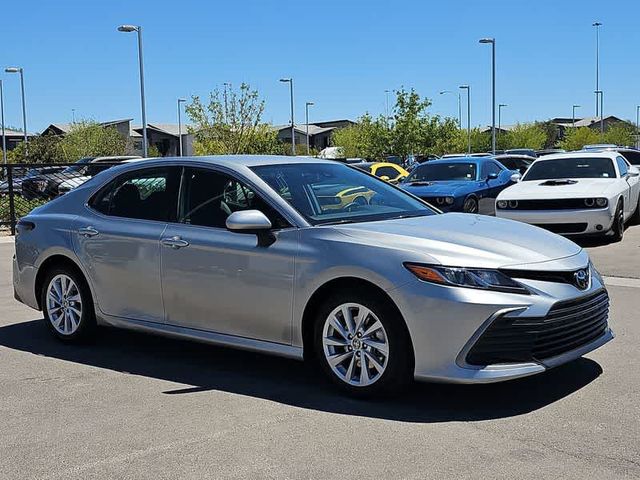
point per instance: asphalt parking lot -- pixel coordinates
(136, 406)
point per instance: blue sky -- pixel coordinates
(341, 54)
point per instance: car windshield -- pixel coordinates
(334, 193)
(571, 168)
(443, 171)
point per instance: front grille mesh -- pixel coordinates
(567, 326)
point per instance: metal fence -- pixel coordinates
(24, 187)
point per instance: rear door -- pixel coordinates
(118, 241)
(630, 184)
(491, 186)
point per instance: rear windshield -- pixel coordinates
(571, 168)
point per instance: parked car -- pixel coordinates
(464, 155)
(31, 173)
(45, 185)
(631, 155)
(468, 184)
(238, 251)
(98, 165)
(575, 193)
(386, 171)
(518, 163)
(599, 146)
(522, 151)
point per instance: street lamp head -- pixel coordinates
(464, 87)
(503, 105)
(487, 40)
(596, 24)
(13, 69)
(127, 28)
(442, 92)
(182, 100)
(309, 104)
(285, 80)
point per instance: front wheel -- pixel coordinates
(470, 205)
(362, 345)
(618, 223)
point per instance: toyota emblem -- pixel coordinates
(581, 278)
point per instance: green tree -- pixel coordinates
(41, 149)
(622, 133)
(412, 128)
(524, 135)
(90, 139)
(231, 123)
(369, 138)
(576, 138)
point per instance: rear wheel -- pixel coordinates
(635, 219)
(618, 223)
(67, 304)
(361, 344)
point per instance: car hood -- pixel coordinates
(438, 188)
(460, 239)
(534, 189)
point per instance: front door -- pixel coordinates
(118, 241)
(220, 281)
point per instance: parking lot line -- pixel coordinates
(622, 282)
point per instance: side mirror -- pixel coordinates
(516, 177)
(633, 171)
(492, 176)
(252, 222)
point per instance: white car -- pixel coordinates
(575, 193)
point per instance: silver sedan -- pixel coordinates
(310, 259)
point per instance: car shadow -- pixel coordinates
(593, 241)
(203, 368)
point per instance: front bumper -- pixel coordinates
(555, 219)
(445, 322)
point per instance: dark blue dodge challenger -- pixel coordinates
(465, 184)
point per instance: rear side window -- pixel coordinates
(147, 194)
(632, 157)
(387, 172)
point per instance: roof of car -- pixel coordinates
(514, 155)
(248, 160)
(578, 154)
(458, 160)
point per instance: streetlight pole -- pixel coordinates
(386, 106)
(444, 92)
(500, 106)
(138, 30)
(293, 126)
(24, 104)
(4, 137)
(601, 93)
(573, 115)
(492, 41)
(306, 111)
(225, 85)
(180, 100)
(637, 125)
(468, 89)
(597, 25)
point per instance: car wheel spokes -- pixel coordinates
(355, 344)
(64, 304)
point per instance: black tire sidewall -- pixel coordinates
(87, 319)
(469, 199)
(618, 226)
(399, 364)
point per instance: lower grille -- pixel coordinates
(563, 227)
(568, 325)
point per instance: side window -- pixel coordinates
(632, 157)
(489, 168)
(622, 166)
(209, 197)
(148, 194)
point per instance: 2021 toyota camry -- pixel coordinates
(246, 251)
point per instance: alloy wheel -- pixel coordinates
(64, 304)
(355, 344)
(470, 205)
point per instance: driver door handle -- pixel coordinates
(88, 232)
(175, 242)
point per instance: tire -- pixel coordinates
(388, 363)
(470, 205)
(67, 305)
(618, 223)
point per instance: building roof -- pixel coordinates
(13, 133)
(168, 128)
(586, 121)
(302, 128)
(62, 128)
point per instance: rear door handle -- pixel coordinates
(88, 232)
(175, 242)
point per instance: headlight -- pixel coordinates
(502, 204)
(440, 200)
(486, 279)
(589, 202)
(449, 200)
(602, 202)
(513, 203)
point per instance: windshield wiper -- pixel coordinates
(338, 222)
